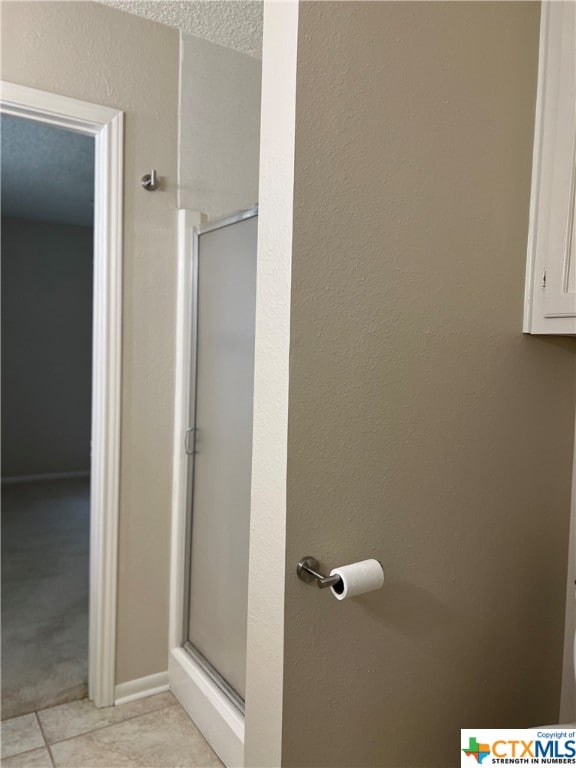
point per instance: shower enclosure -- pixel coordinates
(217, 445)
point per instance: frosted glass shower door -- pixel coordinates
(222, 441)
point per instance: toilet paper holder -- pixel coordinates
(308, 570)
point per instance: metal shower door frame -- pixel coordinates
(190, 448)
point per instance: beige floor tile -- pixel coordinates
(20, 734)
(77, 717)
(163, 739)
(37, 758)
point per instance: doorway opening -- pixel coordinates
(47, 208)
(62, 247)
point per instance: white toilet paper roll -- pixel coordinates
(357, 578)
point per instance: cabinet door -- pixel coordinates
(560, 287)
(551, 285)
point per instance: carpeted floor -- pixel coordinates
(45, 560)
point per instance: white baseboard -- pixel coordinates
(140, 688)
(48, 476)
(221, 723)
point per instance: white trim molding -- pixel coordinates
(106, 126)
(211, 710)
(141, 688)
(187, 222)
(267, 562)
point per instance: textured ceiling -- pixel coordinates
(47, 172)
(234, 23)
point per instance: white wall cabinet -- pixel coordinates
(550, 305)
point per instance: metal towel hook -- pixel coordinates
(308, 570)
(150, 181)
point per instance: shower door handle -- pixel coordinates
(189, 441)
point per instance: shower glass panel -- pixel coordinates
(219, 498)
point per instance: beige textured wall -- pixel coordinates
(219, 128)
(95, 53)
(424, 428)
(568, 697)
(46, 344)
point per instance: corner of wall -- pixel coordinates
(265, 649)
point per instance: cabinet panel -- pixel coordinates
(551, 273)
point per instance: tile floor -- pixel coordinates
(149, 733)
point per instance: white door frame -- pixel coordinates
(188, 221)
(106, 126)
